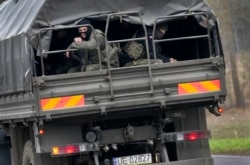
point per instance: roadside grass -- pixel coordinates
(230, 133)
(238, 146)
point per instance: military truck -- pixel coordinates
(147, 113)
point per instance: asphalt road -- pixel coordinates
(231, 160)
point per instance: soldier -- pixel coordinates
(134, 51)
(87, 43)
(58, 63)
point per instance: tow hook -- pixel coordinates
(129, 133)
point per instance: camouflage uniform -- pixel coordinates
(90, 51)
(135, 51)
(143, 62)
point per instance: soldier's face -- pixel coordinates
(82, 31)
(160, 32)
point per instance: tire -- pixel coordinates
(28, 154)
(29, 157)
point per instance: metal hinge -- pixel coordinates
(39, 83)
(217, 62)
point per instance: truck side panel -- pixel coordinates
(19, 106)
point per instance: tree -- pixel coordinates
(228, 29)
(242, 33)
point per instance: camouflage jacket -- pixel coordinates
(90, 47)
(137, 49)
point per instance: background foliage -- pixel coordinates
(234, 22)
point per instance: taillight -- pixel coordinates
(220, 110)
(41, 131)
(191, 136)
(185, 136)
(74, 149)
(65, 150)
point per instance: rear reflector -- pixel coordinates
(64, 102)
(199, 87)
(185, 136)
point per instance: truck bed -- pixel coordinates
(117, 89)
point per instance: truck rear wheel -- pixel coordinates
(31, 158)
(28, 154)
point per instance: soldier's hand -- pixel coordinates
(67, 54)
(172, 60)
(78, 39)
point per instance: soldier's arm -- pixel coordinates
(91, 44)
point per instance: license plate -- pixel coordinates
(133, 160)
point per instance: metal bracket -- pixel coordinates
(217, 63)
(96, 99)
(163, 104)
(40, 83)
(25, 123)
(48, 117)
(103, 111)
(216, 97)
(129, 133)
(167, 91)
(213, 109)
(36, 138)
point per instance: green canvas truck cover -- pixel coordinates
(21, 20)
